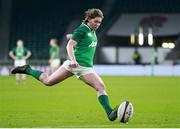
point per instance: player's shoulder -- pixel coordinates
(83, 27)
(14, 48)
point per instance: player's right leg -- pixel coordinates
(58, 76)
(18, 81)
(18, 76)
(23, 78)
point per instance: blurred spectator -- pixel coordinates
(136, 57)
(155, 56)
(54, 59)
(20, 54)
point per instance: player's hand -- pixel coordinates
(74, 64)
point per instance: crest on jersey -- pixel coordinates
(90, 34)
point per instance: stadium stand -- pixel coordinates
(36, 22)
(131, 7)
(142, 6)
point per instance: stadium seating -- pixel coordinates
(36, 22)
(131, 7)
(143, 6)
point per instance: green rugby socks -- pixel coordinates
(104, 101)
(35, 73)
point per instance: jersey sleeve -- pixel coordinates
(14, 50)
(26, 50)
(78, 34)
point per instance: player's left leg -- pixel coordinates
(96, 82)
(58, 76)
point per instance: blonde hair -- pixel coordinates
(93, 13)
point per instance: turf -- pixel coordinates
(156, 102)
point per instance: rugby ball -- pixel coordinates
(125, 112)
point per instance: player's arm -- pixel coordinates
(70, 50)
(75, 38)
(11, 54)
(27, 55)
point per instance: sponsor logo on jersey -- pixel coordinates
(93, 44)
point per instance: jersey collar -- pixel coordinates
(87, 26)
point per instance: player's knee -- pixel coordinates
(45, 80)
(47, 83)
(43, 77)
(101, 90)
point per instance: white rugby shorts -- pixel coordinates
(79, 71)
(19, 63)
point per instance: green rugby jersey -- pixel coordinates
(86, 45)
(20, 52)
(56, 51)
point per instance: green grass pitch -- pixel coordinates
(72, 103)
